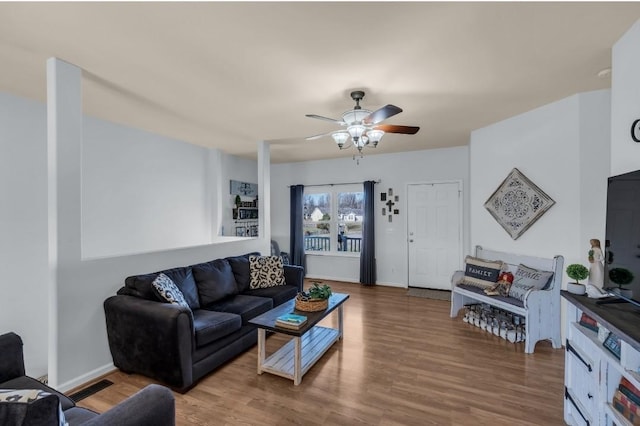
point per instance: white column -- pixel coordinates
(264, 191)
(64, 152)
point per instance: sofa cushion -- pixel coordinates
(215, 281)
(247, 307)
(527, 279)
(210, 325)
(481, 273)
(167, 290)
(32, 407)
(26, 382)
(241, 270)
(278, 294)
(265, 271)
(141, 285)
(511, 300)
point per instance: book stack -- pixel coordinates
(588, 322)
(626, 400)
(291, 321)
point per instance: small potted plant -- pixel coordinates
(316, 298)
(577, 272)
(621, 277)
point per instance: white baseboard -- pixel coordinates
(85, 378)
(324, 277)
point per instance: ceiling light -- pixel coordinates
(340, 138)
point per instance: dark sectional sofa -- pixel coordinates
(178, 345)
(152, 406)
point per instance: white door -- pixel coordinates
(434, 234)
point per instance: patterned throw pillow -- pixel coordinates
(266, 271)
(527, 279)
(168, 291)
(481, 273)
(28, 396)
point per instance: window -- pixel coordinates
(333, 217)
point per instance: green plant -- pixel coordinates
(318, 291)
(577, 272)
(620, 276)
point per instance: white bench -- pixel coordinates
(541, 308)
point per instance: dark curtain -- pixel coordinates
(368, 250)
(296, 242)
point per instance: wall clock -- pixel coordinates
(635, 130)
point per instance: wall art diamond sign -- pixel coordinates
(517, 204)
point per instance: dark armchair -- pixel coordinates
(153, 405)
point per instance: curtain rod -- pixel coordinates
(339, 183)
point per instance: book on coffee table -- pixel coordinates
(293, 321)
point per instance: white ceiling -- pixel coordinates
(229, 74)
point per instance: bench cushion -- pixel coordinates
(478, 290)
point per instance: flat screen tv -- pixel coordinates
(622, 240)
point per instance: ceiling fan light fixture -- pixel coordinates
(355, 116)
(340, 138)
(356, 131)
(375, 136)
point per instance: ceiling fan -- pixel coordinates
(363, 125)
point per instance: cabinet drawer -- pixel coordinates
(573, 414)
(581, 379)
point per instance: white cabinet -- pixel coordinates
(592, 372)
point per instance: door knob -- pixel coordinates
(410, 241)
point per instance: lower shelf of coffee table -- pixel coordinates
(314, 343)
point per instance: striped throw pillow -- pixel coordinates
(481, 273)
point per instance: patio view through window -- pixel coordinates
(333, 219)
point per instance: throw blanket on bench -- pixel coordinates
(539, 303)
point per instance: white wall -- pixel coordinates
(240, 169)
(23, 227)
(395, 171)
(141, 192)
(561, 147)
(625, 101)
(79, 350)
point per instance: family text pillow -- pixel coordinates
(527, 279)
(266, 271)
(481, 273)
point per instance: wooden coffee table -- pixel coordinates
(309, 343)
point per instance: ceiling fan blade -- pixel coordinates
(382, 114)
(319, 117)
(392, 128)
(314, 137)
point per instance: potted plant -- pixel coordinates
(315, 298)
(577, 272)
(621, 277)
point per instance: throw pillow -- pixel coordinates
(168, 291)
(527, 279)
(30, 406)
(481, 273)
(266, 271)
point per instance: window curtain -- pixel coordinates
(296, 242)
(368, 250)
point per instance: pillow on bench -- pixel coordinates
(527, 279)
(481, 273)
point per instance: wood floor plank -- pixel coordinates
(402, 361)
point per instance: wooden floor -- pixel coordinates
(402, 361)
